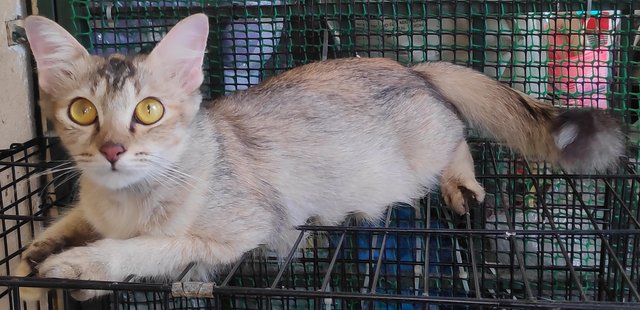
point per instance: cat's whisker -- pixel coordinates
(62, 170)
(67, 175)
(155, 179)
(62, 175)
(178, 179)
(164, 183)
(164, 170)
(58, 171)
(54, 161)
(181, 174)
(167, 165)
(160, 179)
(52, 170)
(60, 163)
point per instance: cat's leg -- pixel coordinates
(458, 174)
(145, 256)
(69, 231)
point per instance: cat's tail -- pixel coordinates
(579, 140)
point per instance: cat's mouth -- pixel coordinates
(115, 176)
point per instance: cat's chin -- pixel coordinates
(116, 180)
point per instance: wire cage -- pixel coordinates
(541, 239)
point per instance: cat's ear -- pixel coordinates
(54, 49)
(181, 52)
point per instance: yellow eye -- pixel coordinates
(82, 111)
(149, 111)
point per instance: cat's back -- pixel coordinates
(324, 88)
(344, 73)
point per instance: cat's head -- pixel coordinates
(122, 118)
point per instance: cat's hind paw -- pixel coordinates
(456, 193)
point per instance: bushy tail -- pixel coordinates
(579, 140)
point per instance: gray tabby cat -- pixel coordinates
(165, 182)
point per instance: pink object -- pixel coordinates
(582, 78)
(580, 59)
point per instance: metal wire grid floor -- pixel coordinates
(533, 243)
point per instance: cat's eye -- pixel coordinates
(149, 111)
(82, 111)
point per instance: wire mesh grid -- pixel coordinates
(542, 238)
(539, 240)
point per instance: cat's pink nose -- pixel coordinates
(112, 151)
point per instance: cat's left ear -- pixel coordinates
(180, 54)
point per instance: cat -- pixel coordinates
(168, 180)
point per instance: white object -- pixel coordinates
(247, 44)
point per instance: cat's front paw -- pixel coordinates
(35, 253)
(25, 269)
(81, 263)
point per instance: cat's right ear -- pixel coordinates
(55, 51)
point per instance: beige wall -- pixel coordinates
(16, 99)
